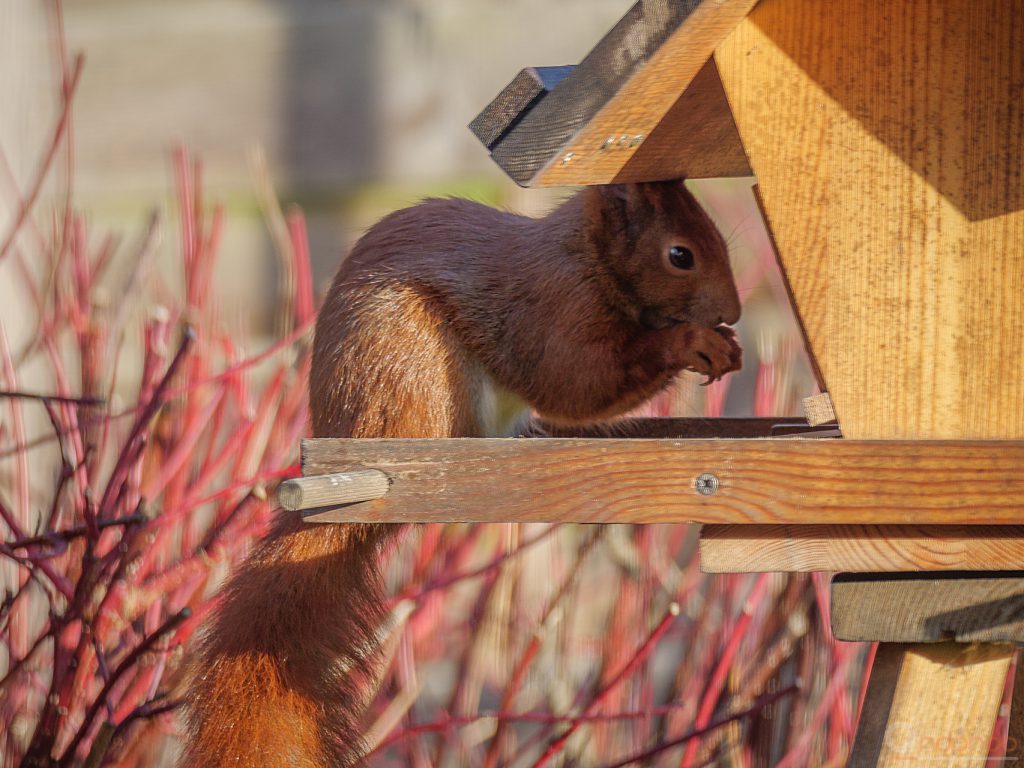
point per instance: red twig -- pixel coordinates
(718, 677)
(696, 733)
(42, 173)
(126, 664)
(642, 652)
(56, 538)
(83, 401)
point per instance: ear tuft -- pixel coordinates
(605, 207)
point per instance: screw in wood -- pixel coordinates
(706, 484)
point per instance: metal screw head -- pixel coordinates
(706, 484)
(608, 143)
(568, 158)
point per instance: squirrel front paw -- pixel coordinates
(712, 352)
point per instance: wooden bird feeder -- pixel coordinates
(887, 141)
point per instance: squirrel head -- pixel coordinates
(664, 256)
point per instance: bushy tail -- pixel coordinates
(284, 668)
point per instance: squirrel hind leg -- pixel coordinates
(284, 670)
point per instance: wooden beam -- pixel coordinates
(860, 548)
(688, 427)
(888, 144)
(792, 480)
(695, 139)
(931, 705)
(622, 91)
(928, 607)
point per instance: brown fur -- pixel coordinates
(575, 313)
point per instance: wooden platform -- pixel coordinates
(791, 480)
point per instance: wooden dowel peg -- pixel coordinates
(332, 490)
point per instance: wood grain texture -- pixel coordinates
(791, 480)
(931, 705)
(624, 87)
(332, 490)
(888, 144)
(928, 607)
(818, 409)
(695, 139)
(860, 548)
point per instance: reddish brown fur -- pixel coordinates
(433, 302)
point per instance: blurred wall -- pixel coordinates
(25, 110)
(360, 105)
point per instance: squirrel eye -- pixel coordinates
(681, 257)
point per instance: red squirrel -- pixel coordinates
(582, 314)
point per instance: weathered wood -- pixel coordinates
(518, 97)
(332, 490)
(818, 409)
(888, 144)
(624, 87)
(792, 480)
(928, 608)
(860, 548)
(931, 705)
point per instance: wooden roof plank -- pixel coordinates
(624, 87)
(515, 100)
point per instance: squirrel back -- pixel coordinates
(582, 315)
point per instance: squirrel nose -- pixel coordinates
(731, 313)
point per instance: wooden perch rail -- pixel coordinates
(622, 114)
(790, 480)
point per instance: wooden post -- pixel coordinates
(931, 705)
(890, 162)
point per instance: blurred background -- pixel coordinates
(306, 121)
(350, 108)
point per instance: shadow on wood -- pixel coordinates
(929, 607)
(943, 88)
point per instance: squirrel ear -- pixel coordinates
(605, 206)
